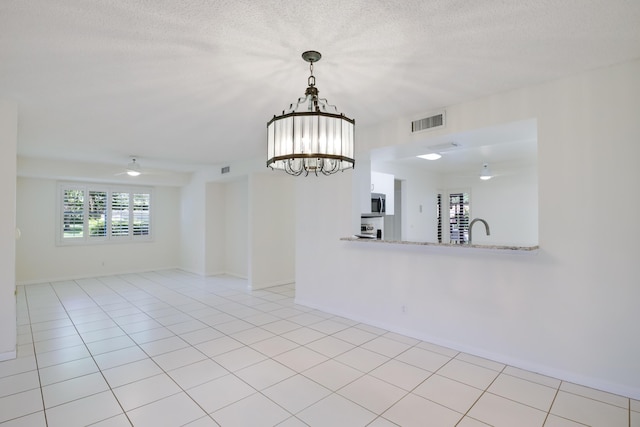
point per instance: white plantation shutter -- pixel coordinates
(73, 213)
(119, 214)
(439, 216)
(141, 209)
(91, 213)
(97, 210)
(459, 217)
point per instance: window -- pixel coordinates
(98, 214)
(458, 217)
(120, 214)
(439, 216)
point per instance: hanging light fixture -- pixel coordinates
(485, 173)
(133, 168)
(311, 136)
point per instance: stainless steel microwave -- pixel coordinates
(378, 203)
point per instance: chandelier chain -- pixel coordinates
(312, 80)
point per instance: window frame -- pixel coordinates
(108, 237)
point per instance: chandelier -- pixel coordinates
(311, 136)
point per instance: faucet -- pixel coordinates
(486, 227)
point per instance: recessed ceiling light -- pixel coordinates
(430, 156)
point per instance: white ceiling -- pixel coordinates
(187, 83)
(505, 146)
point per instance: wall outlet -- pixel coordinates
(404, 309)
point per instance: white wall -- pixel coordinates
(40, 259)
(236, 227)
(8, 144)
(420, 189)
(214, 229)
(271, 229)
(509, 203)
(510, 206)
(568, 311)
(193, 238)
(214, 225)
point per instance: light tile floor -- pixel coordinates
(168, 348)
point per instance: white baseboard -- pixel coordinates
(8, 355)
(528, 365)
(272, 284)
(91, 276)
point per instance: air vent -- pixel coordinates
(432, 122)
(225, 169)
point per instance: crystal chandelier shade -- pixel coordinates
(311, 136)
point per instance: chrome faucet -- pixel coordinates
(486, 227)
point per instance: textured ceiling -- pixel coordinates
(192, 82)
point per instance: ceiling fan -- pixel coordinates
(132, 169)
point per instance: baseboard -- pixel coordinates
(236, 275)
(91, 276)
(272, 284)
(528, 365)
(8, 355)
(190, 271)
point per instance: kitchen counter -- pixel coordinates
(500, 248)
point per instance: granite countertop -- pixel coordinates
(506, 248)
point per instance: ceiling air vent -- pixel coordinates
(225, 169)
(432, 122)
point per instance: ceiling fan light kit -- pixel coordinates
(133, 168)
(311, 135)
(485, 173)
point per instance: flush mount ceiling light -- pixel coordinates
(430, 156)
(133, 168)
(485, 173)
(311, 136)
(435, 151)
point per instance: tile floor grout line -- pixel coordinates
(368, 373)
(301, 374)
(182, 390)
(236, 317)
(555, 396)
(233, 373)
(179, 292)
(35, 357)
(91, 354)
(136, 345)
(228, 373)
(593, 398)
(466, 414)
